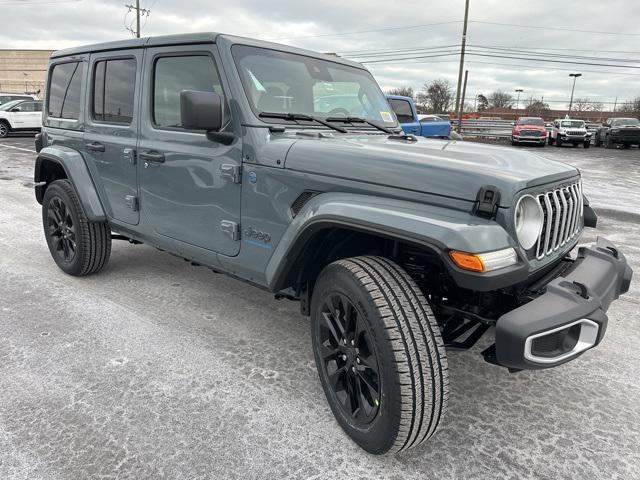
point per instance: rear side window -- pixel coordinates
(402, 109)
(171, 76)
(64, 90)
(113, 90)
(30, 107)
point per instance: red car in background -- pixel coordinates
(529, 130)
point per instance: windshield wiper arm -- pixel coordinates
(294, 117)
(360, 120)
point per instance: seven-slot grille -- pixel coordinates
(574, 132)
(563, 218)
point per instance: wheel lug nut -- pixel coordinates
(353, 369)
(352, 343)
(344, 357)
(358, 361)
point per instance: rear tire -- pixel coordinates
(597, 142)
(369, 307)
(550, 140)
(79, 247)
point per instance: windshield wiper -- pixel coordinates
(360, 120)
(294, 117)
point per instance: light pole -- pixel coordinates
(518, 91)
(575, 77)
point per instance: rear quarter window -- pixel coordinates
(65, 85)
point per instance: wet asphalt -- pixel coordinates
(155, 369)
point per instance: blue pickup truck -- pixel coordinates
(429, 126)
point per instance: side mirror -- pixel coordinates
(16, 109)
(201, 110)
(513, 124)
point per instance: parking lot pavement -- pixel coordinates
(156, 369)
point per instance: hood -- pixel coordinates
(438, 167)
(540, 128)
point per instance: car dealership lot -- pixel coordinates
(156, 369)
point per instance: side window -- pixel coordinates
(64, 90)
(27, 107)
(171, 76)
(113, 90)
(37, 107)
(402, 109)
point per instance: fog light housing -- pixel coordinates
(484, 262)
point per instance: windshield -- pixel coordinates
(531, 121)
(625, 121)
(572, 124)
(281, 82)
(8, 105)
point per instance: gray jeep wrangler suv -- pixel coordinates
(222, 150)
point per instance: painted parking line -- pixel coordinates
(18, 148)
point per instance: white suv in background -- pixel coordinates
(8, 97)
(25, 115)
(570, 131)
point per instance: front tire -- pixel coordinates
(586, 144)
(4, 129)
(558, 142)
(79, 247)
(609, 142)
(379, 354)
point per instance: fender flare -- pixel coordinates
(77, 172)
(438, 228)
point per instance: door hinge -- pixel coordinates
(132, 202)
(129, 154)
(231, 171)
(232, 229)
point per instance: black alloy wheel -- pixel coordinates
(349, 359)
(62, 229)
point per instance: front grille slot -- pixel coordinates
(563, 213)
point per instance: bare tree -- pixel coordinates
(402, 91)
(437, 95)
(536, 108)
(483, 103)
(632, 107)
(581, 105)
(500, 99)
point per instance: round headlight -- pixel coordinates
(528, 220)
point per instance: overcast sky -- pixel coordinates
(329, 26)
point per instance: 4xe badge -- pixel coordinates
(263, 237)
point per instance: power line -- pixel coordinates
(385, 29)
(480, 22)
(561, 29)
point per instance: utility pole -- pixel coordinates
(462, 49)
(615, 104)
(461, 107)
(139, 11)
(575, 77)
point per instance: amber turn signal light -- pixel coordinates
(467, 261)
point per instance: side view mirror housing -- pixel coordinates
(204, 111)
(201, 110)
(16, 109)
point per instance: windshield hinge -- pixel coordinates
(487, 201)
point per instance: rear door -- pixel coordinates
(189, 184)
(111, 130)
(26, 115)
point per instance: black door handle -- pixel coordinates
(151, 156)
(95, 147)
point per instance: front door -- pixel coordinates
(111, 130)
(188, 190)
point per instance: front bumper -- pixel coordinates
(570, 317)
(527, 138)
